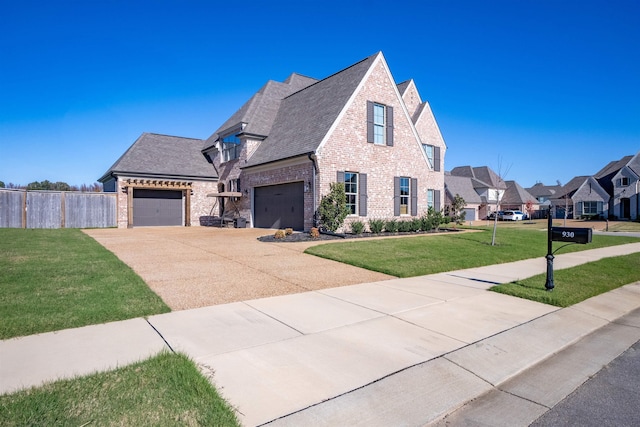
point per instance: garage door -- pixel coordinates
(157, 207)
(279, 206)
(470, 214)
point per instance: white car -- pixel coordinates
(512, 216)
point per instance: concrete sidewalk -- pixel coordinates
(396, 352)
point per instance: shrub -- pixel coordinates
(404, 226)
(288, 231)
(314, 233)
(391, 226)
(357, 227)
(333, 207)
(426, 223)
(279, 234)
(376, 225)
(416, 224)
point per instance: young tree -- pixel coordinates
(457, 212)
(529, 208)
(1, 184)
(333, 207)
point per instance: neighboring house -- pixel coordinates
(284, 147)
(544, 193)
(161, 180)
(621, 180)
(486, 183)
(462, 186)
(581, 197)
(516, 198)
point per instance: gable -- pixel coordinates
(590, 190)
(305, 117)
(350, 128)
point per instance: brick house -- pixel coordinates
(284, 147)
(275, 158)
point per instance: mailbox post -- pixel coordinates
(562, 234)
(549, 283)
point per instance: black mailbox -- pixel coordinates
(571, 234)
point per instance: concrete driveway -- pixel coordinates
(191, 267)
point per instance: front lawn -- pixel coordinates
(62, 278)
(165, 390)
(420, 255)
(576, 284)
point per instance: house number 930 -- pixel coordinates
(569, 234)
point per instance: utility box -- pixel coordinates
(240, 223)
(571, 235)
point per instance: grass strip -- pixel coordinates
(166, 390)
(430, 254)
(579, 283)
(62, 278)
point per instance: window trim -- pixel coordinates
(230, 150)
(356, 195)
(387, 125)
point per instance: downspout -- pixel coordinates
(314, 159)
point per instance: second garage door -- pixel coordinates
(157, 207)
(279, 206)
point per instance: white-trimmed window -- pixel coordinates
(428, 150)
(430, 199)
(355, 186)
(378, 124)
(351, 191)
(230, 147)
(405, 195)
(590, 208)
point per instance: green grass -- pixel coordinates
(576, 284)
(58, 279)
(416, 256)
(166, 390)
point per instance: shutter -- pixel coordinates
(436, 200)
(340, 177)
(436, 159)
(396, 196)
(414, 196)
(369, 121)
(390, 126)
(362, 194)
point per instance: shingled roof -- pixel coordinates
(305, 117)
(482, 176)
(165, 156)
(516, 195)
(463, 186)
(258, 113)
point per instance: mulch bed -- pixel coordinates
(306, 237)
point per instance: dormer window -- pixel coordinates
(230, 147)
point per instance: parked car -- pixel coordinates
(513, 216)
(492, 215)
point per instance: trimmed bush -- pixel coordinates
(391, 226)
(357, 227)
(376, 225)
(279, 234)
(314, 233)
(288, 231)
(404, 226)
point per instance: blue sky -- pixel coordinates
(537, 90)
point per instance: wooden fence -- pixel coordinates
(57, 209)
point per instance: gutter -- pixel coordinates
(314, 160)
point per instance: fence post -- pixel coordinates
(24, 210)
(62, 210)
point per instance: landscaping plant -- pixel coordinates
(333, 207)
